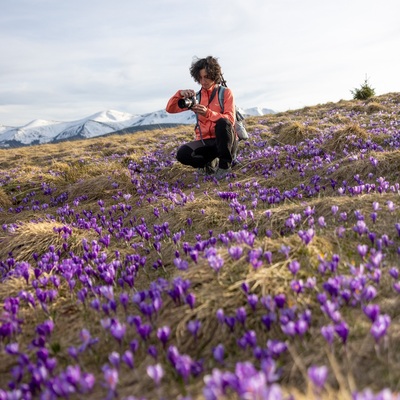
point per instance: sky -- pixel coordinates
(66, 60)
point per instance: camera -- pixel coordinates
(187, 103)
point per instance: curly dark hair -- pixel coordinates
(210, 64)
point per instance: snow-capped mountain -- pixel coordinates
(41, 131)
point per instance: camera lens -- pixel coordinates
(185, 103)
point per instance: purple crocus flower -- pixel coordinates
(375, 259)
(318, 375)
(152, 350)
(114, 358)
(163, 334)
(360, 227)
(252, 384)
(245, 287)
(111, 378)
(380, 326)
(369, 293)
(12, 348)
(118, 330)
(372, 311)
(194, 255)
(328, 332)
(144, 331)
(397, 226)
(155, 372)
(301, 327)
(254, 258)
(289, 328)
(251, 338)
(276, 347)
(285, 250)
(194, 326)
(390, 205)
(396, 286)
(268, 302)
(340, 231)
(46, 328)
(191, 300)
(268, 256)
(362, 250)
(309, 211)
(183, 366)
(342, 330)
(172, 354)
(297, 286)
(321, 222)
(394, 272)
(124, 299)
(306, 236)
(230, 321)
(128, 359)
(216, 262)
(219, 353)
(280, 300)
(220, 315)
(268, 320)
(180, 264)
(241, 315)
(294, 267)
(217, 384)
(235, 252)
(252, 299)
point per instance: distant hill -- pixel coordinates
(42, 131)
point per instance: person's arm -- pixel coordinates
(172, 105)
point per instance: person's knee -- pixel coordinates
(183, 155)
(223, 124)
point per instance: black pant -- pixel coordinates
(200, 152)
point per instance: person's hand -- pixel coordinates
(199, 109)
(188, 93)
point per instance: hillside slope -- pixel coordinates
(124, 274)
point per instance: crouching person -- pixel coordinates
(215, 144)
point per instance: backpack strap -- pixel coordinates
(198, 98)
(221, 92)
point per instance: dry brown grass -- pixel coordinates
(4, 199)
(37, 237)
(290, 133)
(388, 167)
(375, 107)
(96, 169)
(344, 137)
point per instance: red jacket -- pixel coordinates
(207, 123)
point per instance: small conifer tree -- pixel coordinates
(364, 92)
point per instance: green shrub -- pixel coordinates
(364, 92)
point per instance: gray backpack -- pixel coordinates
(239, 119)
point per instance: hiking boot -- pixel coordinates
(209, 168)
(222, 173)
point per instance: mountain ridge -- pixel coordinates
(40, 131)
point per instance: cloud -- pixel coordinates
(63, 59)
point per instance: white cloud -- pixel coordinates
(66, 60)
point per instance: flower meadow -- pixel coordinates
(125, 275)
